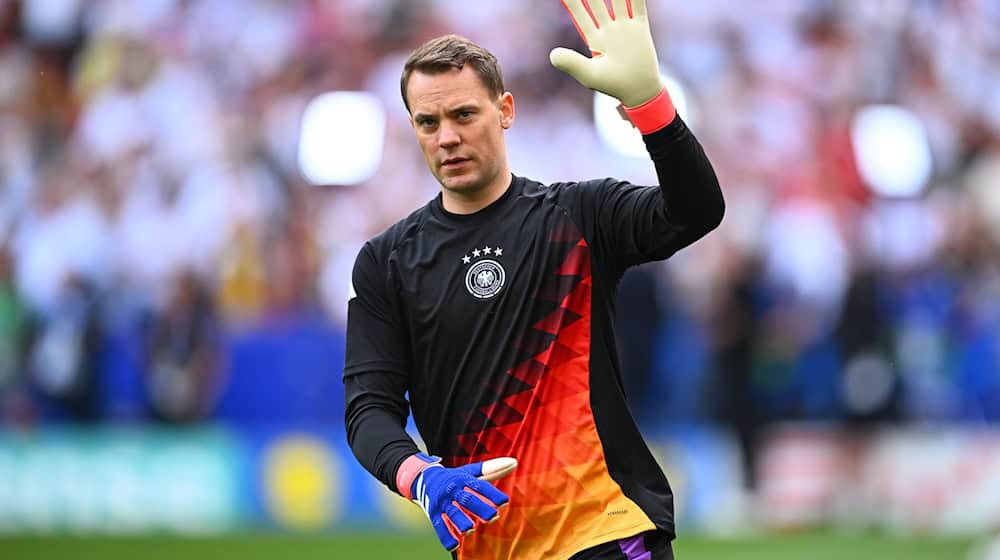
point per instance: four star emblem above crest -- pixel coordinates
(477, 252)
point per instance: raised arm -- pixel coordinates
(635, 224)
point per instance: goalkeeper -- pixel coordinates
(492, 307)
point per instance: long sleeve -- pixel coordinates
(376, 373)
(692, 198)
(375, 418)
(629, 224)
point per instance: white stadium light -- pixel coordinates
(620, 135)
(342, 138)
(892, 150)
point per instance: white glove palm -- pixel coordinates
(624, 64)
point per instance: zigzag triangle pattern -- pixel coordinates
(561, 489)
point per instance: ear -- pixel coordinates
(506, 106)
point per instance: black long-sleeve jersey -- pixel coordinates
(499, 325)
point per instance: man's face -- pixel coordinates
(460, 128)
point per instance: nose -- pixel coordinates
(447, 136)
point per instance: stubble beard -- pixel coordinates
(466, 187)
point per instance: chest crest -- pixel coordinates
(485, 275)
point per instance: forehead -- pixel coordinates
(429, 92)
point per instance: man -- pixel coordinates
(492, 306)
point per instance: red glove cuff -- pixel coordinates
(408, 471)
(654, 114)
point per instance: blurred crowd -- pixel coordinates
(153, 216)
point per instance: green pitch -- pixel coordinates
(342, 547)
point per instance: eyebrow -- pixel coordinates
(468, 106)
(464, 107)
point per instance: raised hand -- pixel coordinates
(624, 63)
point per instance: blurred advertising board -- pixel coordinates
(118, 481)
(211, 480)
(933, 480)
(937, 481)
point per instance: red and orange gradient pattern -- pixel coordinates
(562, 497)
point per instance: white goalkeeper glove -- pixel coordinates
(623, 64)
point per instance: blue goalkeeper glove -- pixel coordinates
(448, 496)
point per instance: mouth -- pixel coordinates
(452, 163)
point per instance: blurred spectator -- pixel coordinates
(736, 326)
(871, 385)
(143, 142)
(183, 353)
(65, 348)
(12, 340)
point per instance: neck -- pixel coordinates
(472, 202)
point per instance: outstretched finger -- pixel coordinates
(488, 491)
(638, 8)
(585, 25)
(600, 12)
(458, 519)
(445, 534)
(476, 505)
(621, 9)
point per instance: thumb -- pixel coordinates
(492, 469)
(495, 469)
(572, 63)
